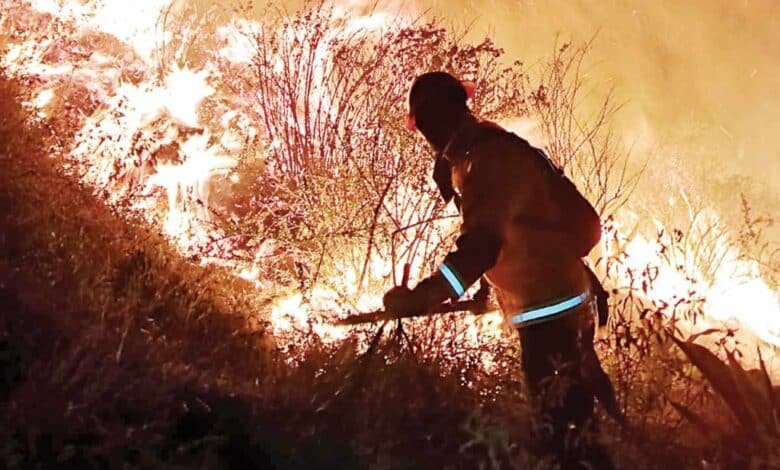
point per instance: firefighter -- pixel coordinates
(525, 228)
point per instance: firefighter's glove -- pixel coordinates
(404, 301)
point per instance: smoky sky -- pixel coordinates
(699, 79)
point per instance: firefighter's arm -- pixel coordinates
(484, 207)
(477, 251)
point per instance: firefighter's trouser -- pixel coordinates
(563, 375)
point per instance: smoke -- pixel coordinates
(698, 79)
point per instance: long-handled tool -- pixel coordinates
(477, 307)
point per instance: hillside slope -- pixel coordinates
(114, 351)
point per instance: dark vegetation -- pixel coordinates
(116, 351)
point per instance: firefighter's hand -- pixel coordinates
(404, 301)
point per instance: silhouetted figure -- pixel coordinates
(525, 228)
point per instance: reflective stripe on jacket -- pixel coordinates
(511, 220)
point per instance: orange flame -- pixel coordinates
(132, 109)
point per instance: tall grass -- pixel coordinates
(116, 351)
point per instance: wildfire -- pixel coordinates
(134, 23)
(147, 135)
(731, 291)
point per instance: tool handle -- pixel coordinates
(407, 271)
(477, 307)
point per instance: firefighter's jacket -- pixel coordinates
(512, 223)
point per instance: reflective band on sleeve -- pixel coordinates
(452, 277)
(549, 310)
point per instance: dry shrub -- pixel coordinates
(341, 169)
(334, 179)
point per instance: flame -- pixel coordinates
(183, 93)
(43, 98)
(150, 141)
(292, 313)
(734, 292)
(237, 48)
(201, 163)
(739, 293)
(670, 283)
(134, 23)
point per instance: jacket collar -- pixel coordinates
(442, 169)
(460, 139)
